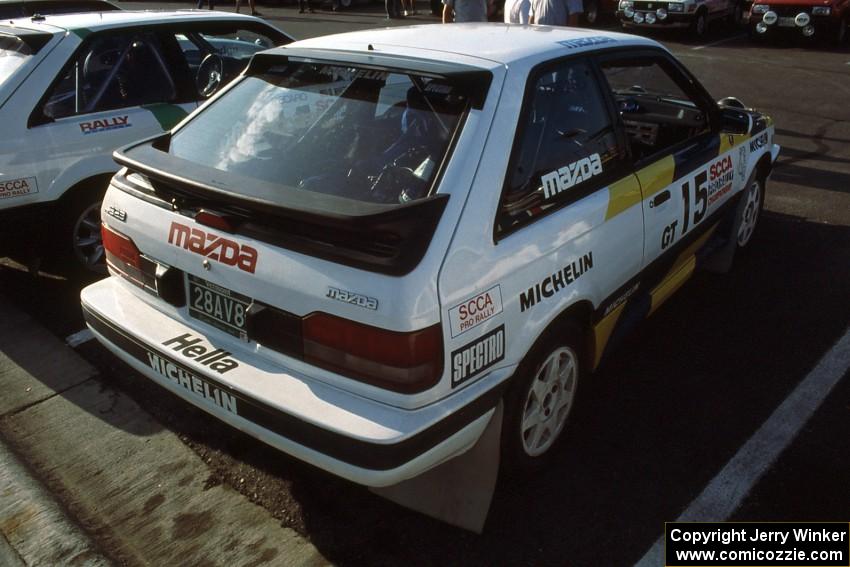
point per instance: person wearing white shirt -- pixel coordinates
(517, 11)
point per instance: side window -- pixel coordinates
(566, 145)
(112, 72)
(652, 99)
(216, 57)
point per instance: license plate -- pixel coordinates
(218, 306)
(786, 22)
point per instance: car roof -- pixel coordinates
(497, 43)
(97, 21)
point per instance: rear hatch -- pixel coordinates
(296, 210)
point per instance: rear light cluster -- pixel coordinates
(402, 362)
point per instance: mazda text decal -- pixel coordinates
(17, 187)
(581, 170)
(97, 126)
(214, 247)
(216, 359)
(556, 282)
(477, 356)
(475, 310)
(354, 298)
(586, 41)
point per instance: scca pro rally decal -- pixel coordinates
(18, 187)
(475, 310)
(97, 126)
(556, 181)
(720, 177)
(556, 282)
(478, 356)
(212, 246)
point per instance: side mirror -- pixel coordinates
(734, 120)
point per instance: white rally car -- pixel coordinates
(364, 244)
(73, 88)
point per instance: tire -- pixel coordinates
(736, 16)
(841, 35)
(699, 27)
(346, 3)
(750, 210)
(540, 400)
(591, 12)
(79, 239)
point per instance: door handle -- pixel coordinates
(659, 199)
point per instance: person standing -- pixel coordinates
(393, 8)
(201, 4)
(517, 11)
(576, 9)
(254, 11)
(549, 12)
(465, 10)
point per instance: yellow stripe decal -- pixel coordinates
(674, 281)
(622, 195)
(656, 177)
(602, 332)
(727, 142)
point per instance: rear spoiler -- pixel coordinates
(383, 238)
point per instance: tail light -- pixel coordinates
(125, 259)
(402, 362)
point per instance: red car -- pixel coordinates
(807, 18)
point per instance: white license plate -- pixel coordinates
(786, 22)
(218, 306)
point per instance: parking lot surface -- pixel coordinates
(661, 420)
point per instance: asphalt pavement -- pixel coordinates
(690, 392)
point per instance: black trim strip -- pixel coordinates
(355, 452)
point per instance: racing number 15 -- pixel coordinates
(700, 199)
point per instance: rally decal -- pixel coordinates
(216, 359)
(562, 179)
(354, 298)
(18, 187)
(477, 356)
(213, 246)
(192, 383)
(556, 282)
(720, 177)
(475, 310)
(105, 125)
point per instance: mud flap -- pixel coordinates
(460, 490)
(720, 262)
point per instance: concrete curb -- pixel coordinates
(34, 529)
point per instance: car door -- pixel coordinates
(117, 88)
(687, 171)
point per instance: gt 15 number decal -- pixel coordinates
(699, 189)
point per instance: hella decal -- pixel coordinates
(217, 360)
(555, 182)
(478, 356)
(758, 142)
(193, 384)
(353, 298)
(720, 176)
(18, 187)
(214, 247)
(474, 311)
(97, 126)
(556, 282)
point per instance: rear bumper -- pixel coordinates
(352, 437)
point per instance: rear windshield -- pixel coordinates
(363, 134)
(14, 52)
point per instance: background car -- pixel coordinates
(73, 88)
(691, 15)
(11, 9)
(817, 19)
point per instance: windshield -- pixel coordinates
(13, 53)
(363, 134)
